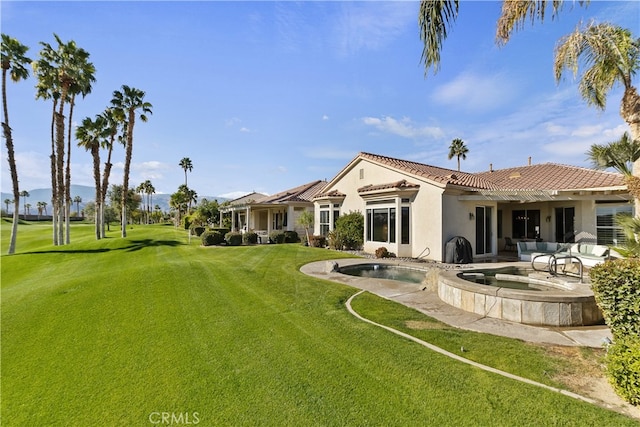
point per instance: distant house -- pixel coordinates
(414, 209)
(263, 214)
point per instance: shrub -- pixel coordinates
(317, 241)
(222, 230)
(250, 238)
(197, 231)
(233, 238)
(277, 236)
(291, 237)
(623, 368)
(210, 238)
(382, 252)
(349, 231)
(616, 285)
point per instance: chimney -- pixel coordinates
(490, 167)
(529, 160)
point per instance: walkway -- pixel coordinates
(428, 302)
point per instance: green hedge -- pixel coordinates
(616, 285)
(623, 368)
(291, 237)
(211, 238)
(197, 231)
(250, 238)
(277, 236)
(317, 241)
(233, 238)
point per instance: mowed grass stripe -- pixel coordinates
(239, 335)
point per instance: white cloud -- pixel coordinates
(325, 117)
(371, 25)
(245, 130)
(403, 127)
(234, 194)
(471, 92)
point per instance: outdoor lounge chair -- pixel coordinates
(508, 243)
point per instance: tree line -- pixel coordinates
(63, 73)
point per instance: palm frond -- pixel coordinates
(434, 20)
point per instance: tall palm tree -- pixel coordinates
(14, 62)
(6, 203)
(40, 206)
(113, 122)
(149, 190)
(77, 200)
(458, 149)
(128, 101)
(611, 56)
(25, 194)
(61, 73)
(436, 17)
(90, 135)
(186, 165)
(84, 77)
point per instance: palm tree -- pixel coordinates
(6, 203)
(27, 208)
(14, 62)
(149, 190)
(186, 165)
(621, 155)
(25, 194)
(128, 101)
(77, 200)
(84, 76)
(91, 135)
(611, 56)
(113, 121)
(435, 17)
(40, 206)
(62, 73)
(458, 149)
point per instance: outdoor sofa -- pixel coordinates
(590, 254)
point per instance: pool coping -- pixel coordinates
(429, 303)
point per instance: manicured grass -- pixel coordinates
(108, 332)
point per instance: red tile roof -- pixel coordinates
(546, 176)
(302, 193)
(400, 185)
(432, 173)
(552, 176)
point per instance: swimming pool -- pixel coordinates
(390, 272)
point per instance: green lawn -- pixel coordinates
(112, 332)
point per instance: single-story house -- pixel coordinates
(263, 214)
(414, 209)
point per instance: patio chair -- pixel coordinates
(508, 243)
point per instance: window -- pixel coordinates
(404, 225)
(526, 224)
(324, 222)
(608, 233)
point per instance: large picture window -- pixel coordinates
(607, 231)
(526, 224)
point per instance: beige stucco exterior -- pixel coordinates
(441, 208)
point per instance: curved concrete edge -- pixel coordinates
(462, 359)
(428, 302)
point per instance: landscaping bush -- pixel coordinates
(233, 238)
(222, 230)
(197, 231)
(349, 231)
(277, 236)
(211, 238)
(623, 368)
(250, 238)
(317, 241)
(291, 237)
(382, 252)
(616, 285)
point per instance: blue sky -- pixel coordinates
(265, 96)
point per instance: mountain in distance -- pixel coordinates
(87, 194)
